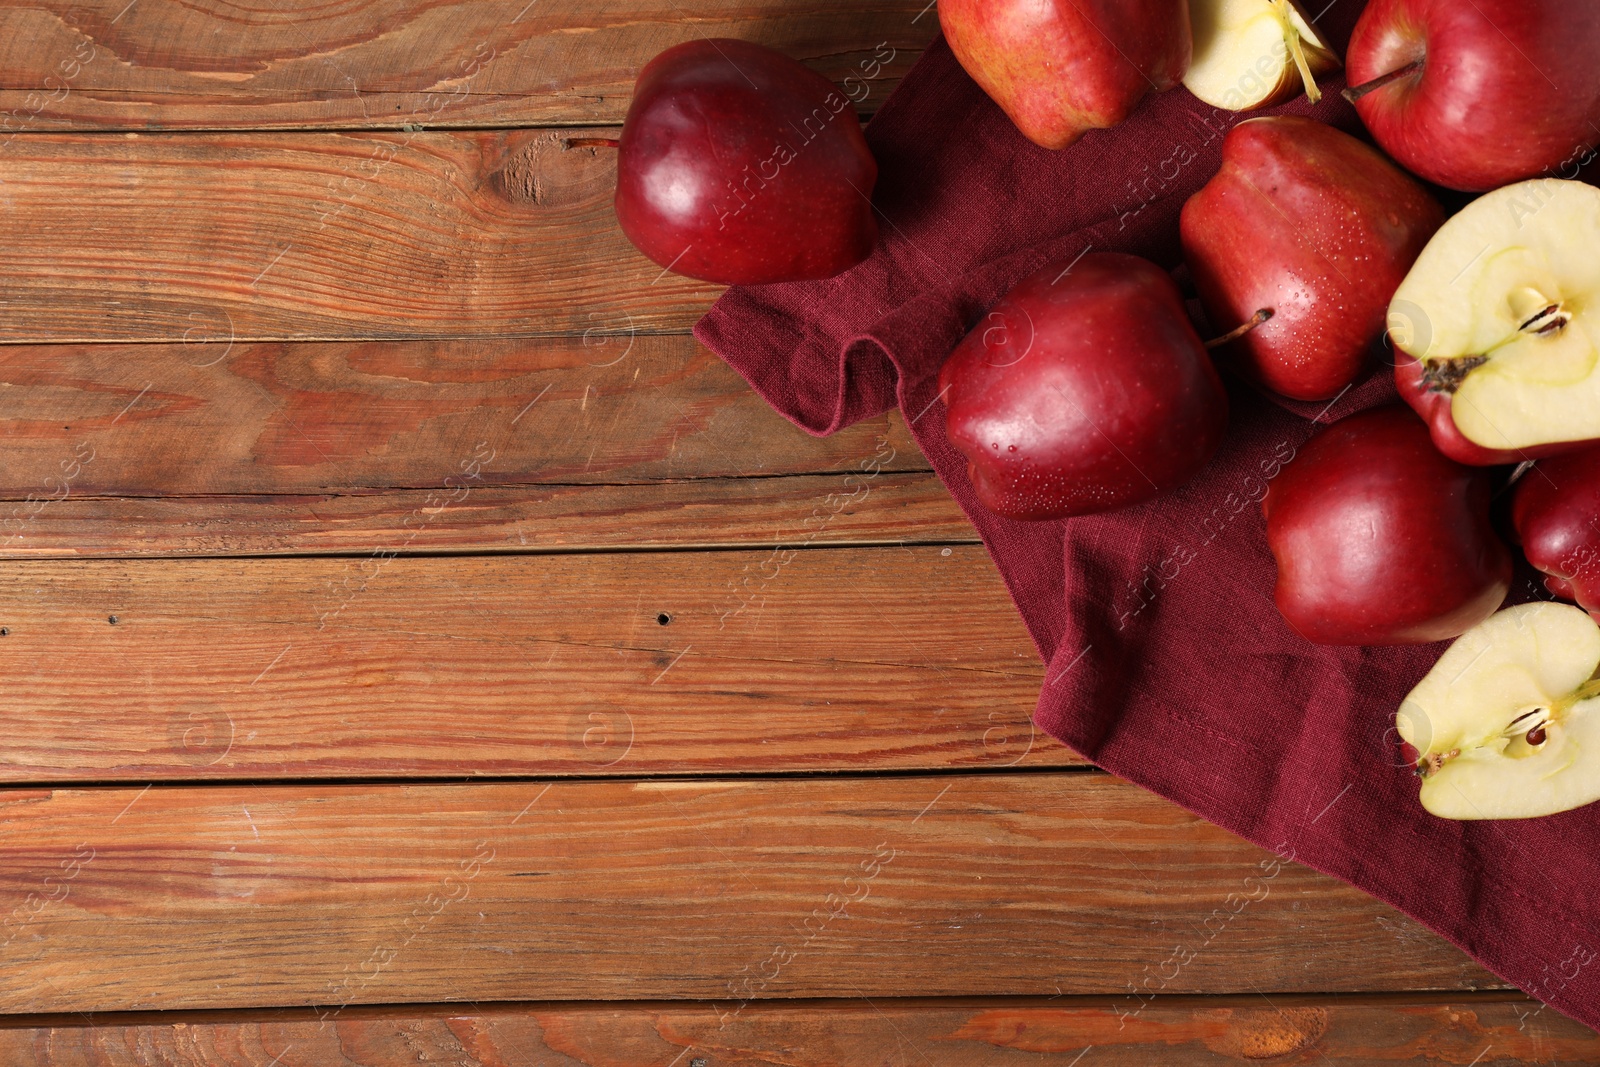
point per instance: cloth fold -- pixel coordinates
(1168, 663)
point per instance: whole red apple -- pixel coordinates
(1085, 389)
(1380, 540)
(1061, 68)
(1315, 227)
(738, 165)
(1494, 91)
(1556, 512)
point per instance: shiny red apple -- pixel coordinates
(1061, 68)
(738, 165)
(1556, 512)
(1311, 225)
(1380, 540)
(1492, 91)
(1085, 389)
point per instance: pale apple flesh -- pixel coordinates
(1254, 53)
(1507, 724)
(1503, 310)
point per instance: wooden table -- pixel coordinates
(417, 649)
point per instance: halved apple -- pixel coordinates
(1502, 313)
(1254, 53)
(1507, 724)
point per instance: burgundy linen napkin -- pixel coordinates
(1168, 664)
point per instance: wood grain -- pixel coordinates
(1499, 1029)
(116, 450)
(994, 884)
(145, 421)
(106, 64)
(308, 236)
(709, 513)
(614, 663)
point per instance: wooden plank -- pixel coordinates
(221, 896)
(321, 236)
(1054, 1032)
(822, 659)
(106, 65)
(841, 509)
(214, 419)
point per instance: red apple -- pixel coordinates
(738, 165)
(1085, 389)
(1380, 540)
(1556, 512)
(1496, 328)
(1315, 227)
(1061, 68)
(1494, 91)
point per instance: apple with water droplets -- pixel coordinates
(1314, 229)
(738, 165)
(1507, 724)
(1497, 325)
(1381, 540)
(1060, 68)
(1085, 389)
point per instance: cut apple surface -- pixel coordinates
(1254, 53)
(1507, 724)
(1502, 309)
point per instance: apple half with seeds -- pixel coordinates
(1500, 319)
(1254, 53)
(1507, 724)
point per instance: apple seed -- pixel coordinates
(1551, 320)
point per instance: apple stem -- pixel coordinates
(1522, 468)
(593, 142)
(1357, 92)
(1233, 335)
(1292, 36)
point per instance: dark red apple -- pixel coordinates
(1060, 68)
(1315, 227)
(1380, 540)
(738, 165)
(1556, 512)
(1494, 91)
(1085, 389)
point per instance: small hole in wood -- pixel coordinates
(4, 631)
(112, 619)
(663, 618)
